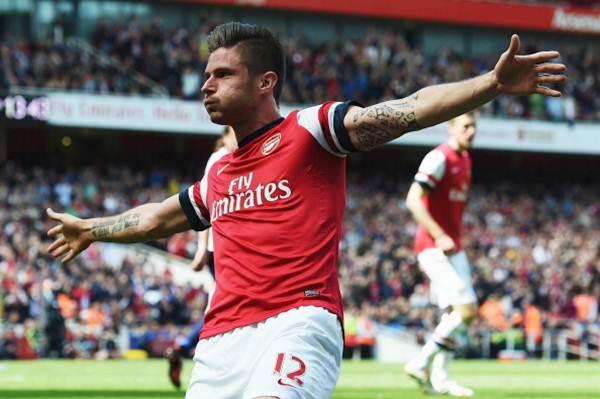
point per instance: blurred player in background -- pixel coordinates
(205, 251)
(204, 257)
(276, 205)
(436, 200)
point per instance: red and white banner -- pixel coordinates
(464, 12)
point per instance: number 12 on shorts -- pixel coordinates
(294, 363)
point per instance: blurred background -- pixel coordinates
(100, 111)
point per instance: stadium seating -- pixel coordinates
(534, 248)
(131, 57)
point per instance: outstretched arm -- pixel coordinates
(514, 74)
(72, 235)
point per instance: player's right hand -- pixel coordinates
(446, 244)
(69, 236)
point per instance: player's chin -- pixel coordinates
(217, 117)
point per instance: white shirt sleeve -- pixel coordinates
(214, 157)
(325, 124)
(432, 169)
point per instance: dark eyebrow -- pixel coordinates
(220, 70)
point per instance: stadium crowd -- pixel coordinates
(534, 249)
(381, 65)
(57, 66)
(79, 309)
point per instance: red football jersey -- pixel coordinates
(447, 174)
(275, 206)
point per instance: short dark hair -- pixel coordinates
(260, 49)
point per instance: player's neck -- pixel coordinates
(454, 145)
(255, 122)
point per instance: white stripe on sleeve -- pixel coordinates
(432, 168)
(309, 119)
(195, 205)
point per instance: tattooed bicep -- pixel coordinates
(378, 124)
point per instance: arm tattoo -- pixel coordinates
(108, 228)
(380, 123)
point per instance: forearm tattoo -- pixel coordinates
(108, 228)
(380, 123)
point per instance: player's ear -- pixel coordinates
(268, 81)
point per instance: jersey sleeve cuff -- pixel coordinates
(338, 125)
(190, 213)
(425, 184)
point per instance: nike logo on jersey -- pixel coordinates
(222, 169)
(280, 382)
(455, 170)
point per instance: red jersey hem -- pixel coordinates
(211, 332)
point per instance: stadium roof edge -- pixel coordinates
(463, 12)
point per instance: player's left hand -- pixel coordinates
(526, 74)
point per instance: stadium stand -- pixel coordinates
(89, 302)
(534, 251)
(382, 65)
(535, 246)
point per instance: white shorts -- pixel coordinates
(293, 355)
(450, 277)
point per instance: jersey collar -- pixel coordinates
(259, 132)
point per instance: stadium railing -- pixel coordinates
(584, 345)
(559, 344)
(82, 45)
(158, 262)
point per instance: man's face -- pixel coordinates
(229, 93)
(462, 131)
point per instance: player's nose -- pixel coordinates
(209, 86)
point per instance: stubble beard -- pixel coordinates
(217, 118)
